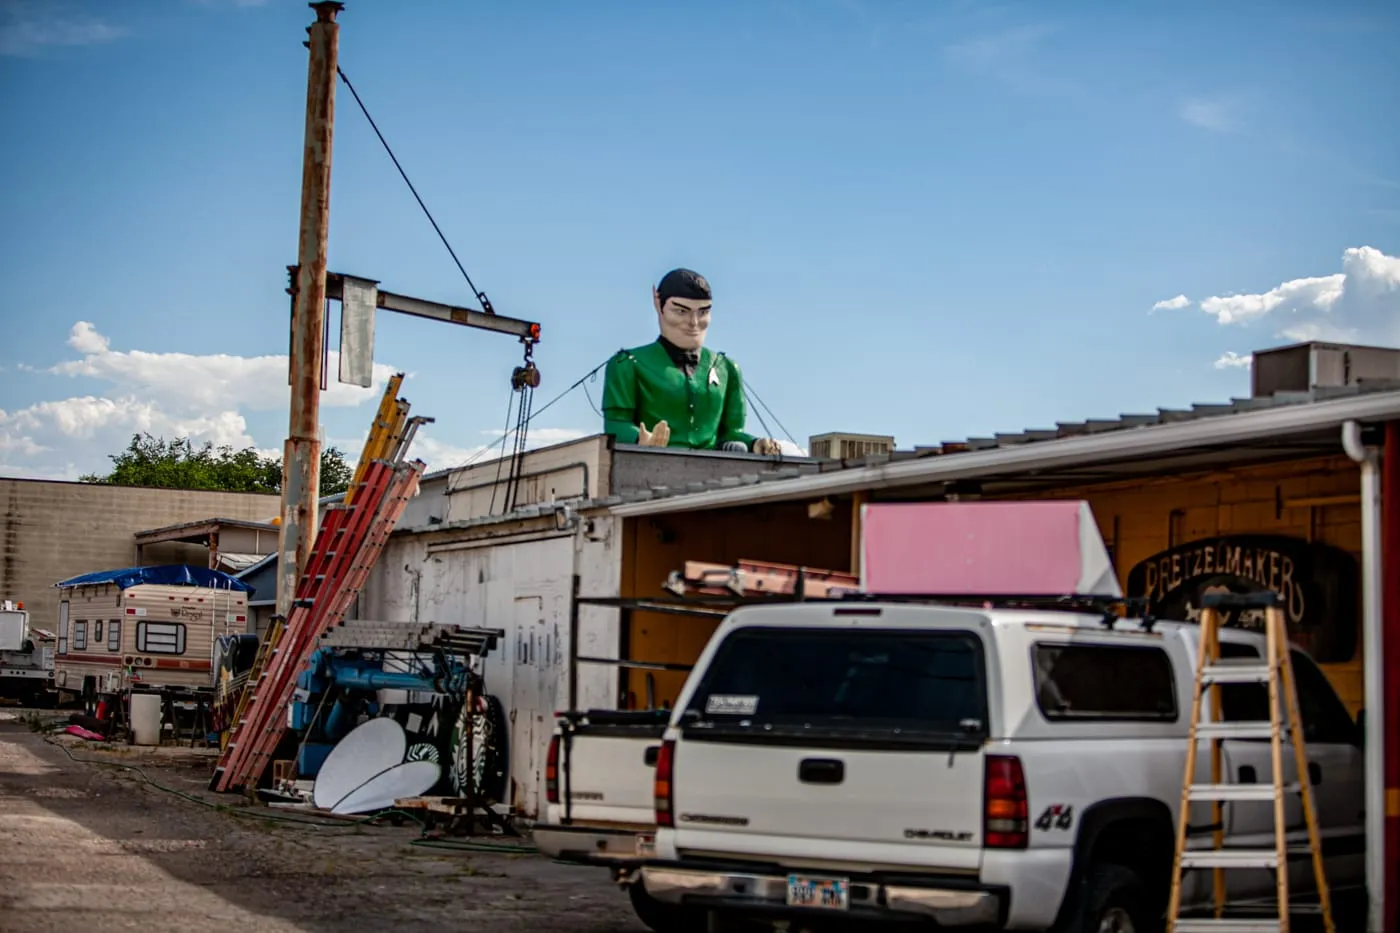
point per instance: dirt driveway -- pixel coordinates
(90, 847)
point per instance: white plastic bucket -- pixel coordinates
(145, 718)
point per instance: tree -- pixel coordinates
(178, 464)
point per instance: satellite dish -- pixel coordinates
(409, 779)
(369, 750)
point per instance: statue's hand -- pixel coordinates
(767, 446)
(658, 436)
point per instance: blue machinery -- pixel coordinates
(357, 659)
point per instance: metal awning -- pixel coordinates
(1276, 432)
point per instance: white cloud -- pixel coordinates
(1317, 293)
(791, 449)
(85, 339)
(257, 383)
(1009, 57)
(72, 436)
(202, 397)
(1359, 304)
(1232, 360)
(30, 26)
(1218, 113)
(1172, 304)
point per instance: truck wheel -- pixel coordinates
(664, 918)
(1111, 899)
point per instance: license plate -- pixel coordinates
(646, 846)
(826, 893)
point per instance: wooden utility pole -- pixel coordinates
(301, 460)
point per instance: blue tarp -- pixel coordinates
(167, 575)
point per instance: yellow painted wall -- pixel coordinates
(1147, 516)
(653, 547)
(1139, 519)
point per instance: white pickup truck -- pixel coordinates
(956, 767)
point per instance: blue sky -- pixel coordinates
(928, 219)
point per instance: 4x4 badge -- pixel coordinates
(1056, 816)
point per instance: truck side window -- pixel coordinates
(1117, 682)
(1241, 702)
(1325, 717)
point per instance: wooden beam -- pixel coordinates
(1319, 501)
(185, 533)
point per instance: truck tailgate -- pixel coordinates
(607, 766)
(820, 746)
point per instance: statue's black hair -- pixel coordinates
(682, 283)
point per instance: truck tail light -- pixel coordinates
(662, 790)
(551, 772)
(1005, 814)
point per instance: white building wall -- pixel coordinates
(522, 586)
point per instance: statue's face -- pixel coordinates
(683, 321)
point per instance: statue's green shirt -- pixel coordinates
(704, 410)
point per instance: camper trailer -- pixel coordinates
(152, 627)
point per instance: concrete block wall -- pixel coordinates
(51, 530)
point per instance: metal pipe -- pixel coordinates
(369, 679)
(301, 459)
(1390, 622)
(1373, 659)
(419, 307)
(573, 643)
(579, 527)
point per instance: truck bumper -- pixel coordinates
(722, 888)
(590, 845)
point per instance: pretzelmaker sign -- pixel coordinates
(1316, 582)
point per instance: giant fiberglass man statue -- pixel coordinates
(674, 392)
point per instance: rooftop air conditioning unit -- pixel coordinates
(843, 446)
(1306, 366)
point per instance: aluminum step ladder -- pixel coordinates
(1276, 672)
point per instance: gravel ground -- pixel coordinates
(89, 847)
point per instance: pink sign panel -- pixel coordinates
(1050, 548)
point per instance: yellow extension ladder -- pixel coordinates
(388, 435)
(1212, 672)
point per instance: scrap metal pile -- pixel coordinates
(352, 535)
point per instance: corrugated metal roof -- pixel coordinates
(1123, 422)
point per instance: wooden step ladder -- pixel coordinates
(1276, 672)
(267, 649)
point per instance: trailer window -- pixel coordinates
(114, 635)
(97, 632)
(79, 636)
(160, 638)
(923, 681)
(1104, 682)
